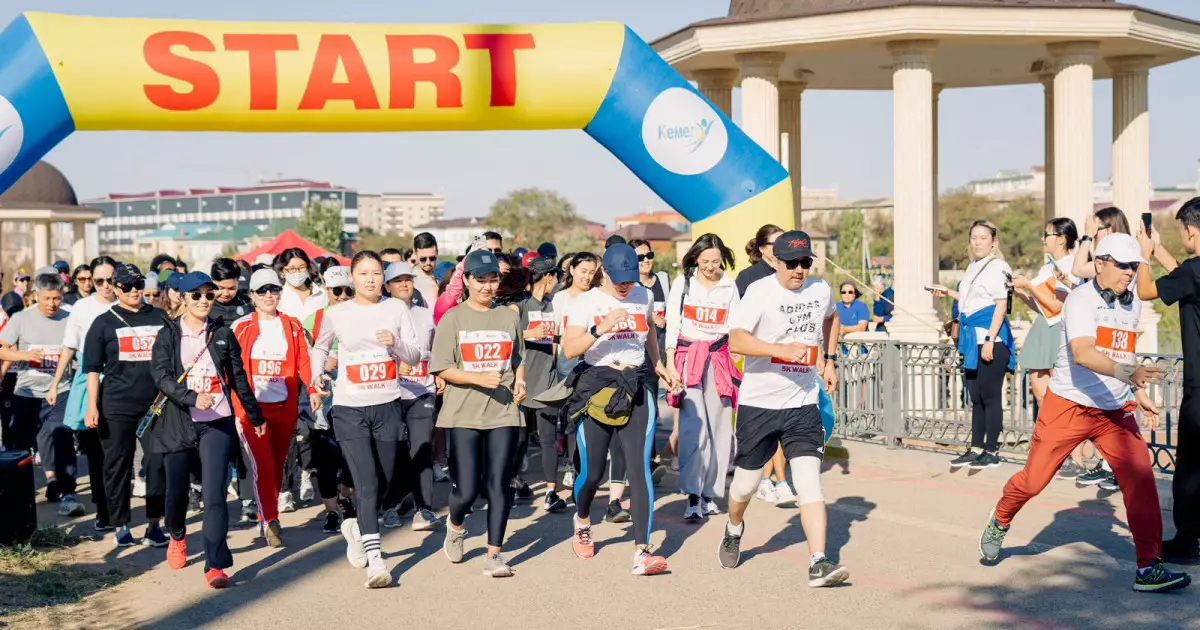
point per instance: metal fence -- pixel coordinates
(895, 392)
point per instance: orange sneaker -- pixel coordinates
(582, 541)
(646, 564)
(216, 578)
(177, 553)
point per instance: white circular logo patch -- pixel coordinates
(683, 133)
(12, 134)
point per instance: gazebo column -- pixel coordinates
(937, 100)
(915, 245)
(1047, 79)
(760, 98)
(41, 244)
(79, 244)
(1073, 168)
(790, 93)
(716, 84)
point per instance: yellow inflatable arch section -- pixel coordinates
(60, 73)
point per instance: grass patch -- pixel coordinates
(42, 574)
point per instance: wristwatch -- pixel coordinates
(593, 331)
(1085, 238)
(831, 357)
(987, 339)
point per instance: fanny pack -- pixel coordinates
(600, 400)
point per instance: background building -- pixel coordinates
(127, 217)
(669, 218)
(41, 221)
(454, 235)
(397, 213)
(200, 243)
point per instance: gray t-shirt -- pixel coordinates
(30, 330)
(476, 341)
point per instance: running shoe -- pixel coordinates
(730, 551)
(216, 578)
(784, 497)
(194, 502)
(614, 513)
(522, 489)
(1070, 470)
(495, 566)
(658, 473)
(124, 538)
(582, 541)
(355, 554)
(102, 526)
(249, 516)
(766, 491)
(139, 488)
(1157, 578)
(646, 564)
(1093, 476)
(391, 518)
(985, 460)
(231, 492)
(154, 537)
(274, 534)
(992, 540)
(177, 552)
(347, 505)
(453, 546)
(425, 520)
(710, 506)
(407, 506)
(333, 523)
(553, 502)
(1109, 484)
(439, 474)
(307, 493)
(693, 513)
(70, 507)
(378, 575)
(965, 459)
(286, 502)
(569, 478)
(1178, 551)
(825, 573)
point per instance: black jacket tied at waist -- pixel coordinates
(588, 380)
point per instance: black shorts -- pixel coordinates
(384, 423)
(760, 431)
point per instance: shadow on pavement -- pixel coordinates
(1079, 525)
(840, 516)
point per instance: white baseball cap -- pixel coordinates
(1121, 248)
(337, 277)
(264, 278)
(397, 269)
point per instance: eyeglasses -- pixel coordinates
(425, 259)
(799, 262)
(850, 292)
(646, 256)
(339, 291)
(136, 285)
(272, 289)
(197, 296)
(101, 281)
(303, 269)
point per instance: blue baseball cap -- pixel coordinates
(621, 263)
(441, 269)
(480, 263)
(194, 280)
(170, 279)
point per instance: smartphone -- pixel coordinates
(1146, 222)
(1053, 263)
(930, 289)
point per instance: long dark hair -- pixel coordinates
(761, 238)
(703, 244)
(1065, 228)
(287, 255)
(1114, 219)
(576, 260)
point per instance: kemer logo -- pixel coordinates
(12, 133)
(683, 133)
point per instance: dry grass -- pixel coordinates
(41, 575)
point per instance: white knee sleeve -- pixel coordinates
(744, 485)
(806, 477)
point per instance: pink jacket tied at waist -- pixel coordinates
(691, 361)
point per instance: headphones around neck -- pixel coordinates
(1110, 297)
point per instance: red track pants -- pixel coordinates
(268, 452)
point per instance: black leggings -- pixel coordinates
(635, 438)
(217, 441)
(986, 386)
(546, 421)
(481, 459)
(414, 462)
(320, 452)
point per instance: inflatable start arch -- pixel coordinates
(59, 74)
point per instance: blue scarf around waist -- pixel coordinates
(968, 345)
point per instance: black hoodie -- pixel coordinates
(118, 345)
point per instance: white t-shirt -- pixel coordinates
(559, 305)
(291, 304)
(427, 286)
(266, 362)
(367, 372)
(983, 283)
(1114, 328)
(420, 382)
(80, 320)
(774, 314)
(701, 315)
(624, 345)
(1048, 279)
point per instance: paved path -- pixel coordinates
(905, 527)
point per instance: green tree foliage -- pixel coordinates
(1022, 224)
(369, 239)
(321, 224)
(849, 243)
(576, 240)
(534, 216)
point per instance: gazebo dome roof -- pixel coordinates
(759, 9)
(43, 186)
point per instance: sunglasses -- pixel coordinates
(339, 291)
(1132, 266)
(197, 296)
(1050, 234)
(100, 282)
(497, 251)
(83, 279)
(272, 289)
(847, 292)
(800, 262)
(136, 285)
(646, 256)
(430, 259)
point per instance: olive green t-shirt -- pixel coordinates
(476, 341)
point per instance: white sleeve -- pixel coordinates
(73, 337)
(321, 346)
(831, 309)
(578, 312)
(1079, 317)
(993, 283)
(746, 312)
(408, 347)
(674, 314)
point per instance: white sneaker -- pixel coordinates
(391, 518)
(709, 507)
(307, 492)
(784, 497)
(70, 507)
(440, 475)
(424, 521)
(569, 478)
(766, 491)
(232, 490)
(139, 488)
(286, 503)
(355, 554)
(693, 513)
(378, 575)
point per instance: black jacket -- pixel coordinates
(233, 311)
(589, 380)
(174, 431)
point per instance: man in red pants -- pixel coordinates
(275, 355)
(1096, 386)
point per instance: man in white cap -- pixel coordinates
(1089, 398)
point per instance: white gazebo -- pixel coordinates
(41, 197)
(775, 50)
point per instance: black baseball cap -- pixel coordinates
(480, 263)
(793, 245)
(126, 274)
(543, 265)
(549, 250)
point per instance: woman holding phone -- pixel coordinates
(1044, 294)
(1110, 220)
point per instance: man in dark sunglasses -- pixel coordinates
(425, 251)
(495, 242)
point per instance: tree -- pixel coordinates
(369, 239)
(850, 242)
(1022, 225)
(576, 240)
(321, 224)
(533, 216)
(956, 212)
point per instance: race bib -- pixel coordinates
(542, 323)
(1116, 336)
(266, 368)
(485, 350)
(706, 318)
(420, 372)
(660, 309)
(371, 371)
(134, 343)
(627, 328)
(49, 361)
(803, 365)
(202, 379)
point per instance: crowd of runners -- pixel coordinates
(362, 386)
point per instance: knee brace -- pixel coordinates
(744, 485)
(806, 477)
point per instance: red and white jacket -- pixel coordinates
(296, 366)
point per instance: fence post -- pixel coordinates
(893, 393)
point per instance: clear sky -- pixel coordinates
(847, 135)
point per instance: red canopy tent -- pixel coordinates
(287, 240)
